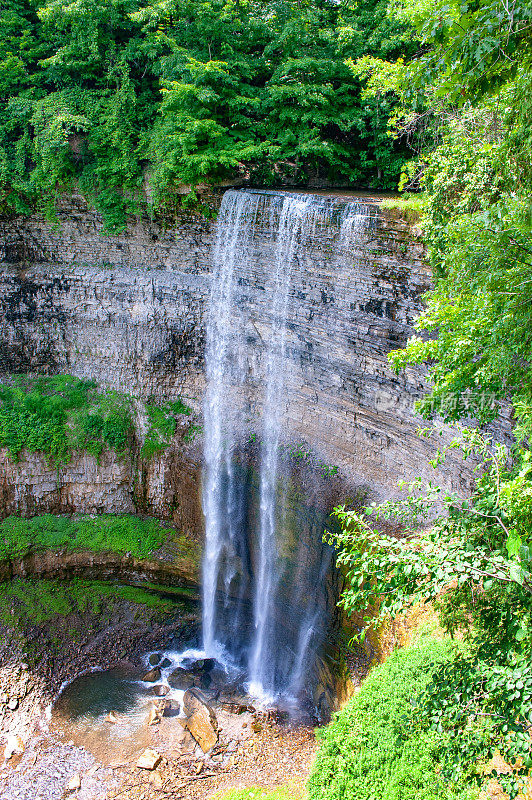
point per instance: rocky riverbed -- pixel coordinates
(161, 722)
(161, 741)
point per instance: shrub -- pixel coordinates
(377, 746)
(59, 414)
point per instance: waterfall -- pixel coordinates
(251, 590)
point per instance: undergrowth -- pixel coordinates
(378, 746)
(59, 414)
(256, 793)
(409, 206)
(124, 533)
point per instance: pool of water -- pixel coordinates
(106, 712)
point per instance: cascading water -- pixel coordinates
(261, 610)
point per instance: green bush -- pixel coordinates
(377, 746)
(124, 533)
(59, 414)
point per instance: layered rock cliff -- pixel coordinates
(129, 311)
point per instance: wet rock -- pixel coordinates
(172, 708)
(181, 679)
(154, 659)
(149, 759)
(74, 783)
(203, 665)
(161, 690)
(200, 719)
(235, 703)
(153, 675)
(14, 746)
(204, 681)
(165, 663)
(218, 676)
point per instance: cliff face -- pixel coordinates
(167, 486)
(129, 311)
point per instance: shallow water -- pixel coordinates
(81, 714)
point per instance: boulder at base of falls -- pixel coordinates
(161, 690)
(153, 675)
(181, 679)
(203, 665)
(200, 719)
(149, 759)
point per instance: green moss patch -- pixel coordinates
(34, 602)
(118, 533)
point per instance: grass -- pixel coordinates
(376, 747)
(409, 206)
(256, 793)
(26, 601)
(118, 533)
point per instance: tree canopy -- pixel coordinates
(121, 99)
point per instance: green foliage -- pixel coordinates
(115, 97)
(466, 104)
(162, 426)
(34, 602)
(379, 745)
(409, 207)
(475, 565)
(281, 793)
(125, 533)
(59, 414)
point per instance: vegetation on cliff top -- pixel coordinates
(125, 99)
(61, 414)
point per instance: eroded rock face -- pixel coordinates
(129, 312)
(166, 486)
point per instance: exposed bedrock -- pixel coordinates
(129, 311)
(167, 486)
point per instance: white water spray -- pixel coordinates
(241, 570)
